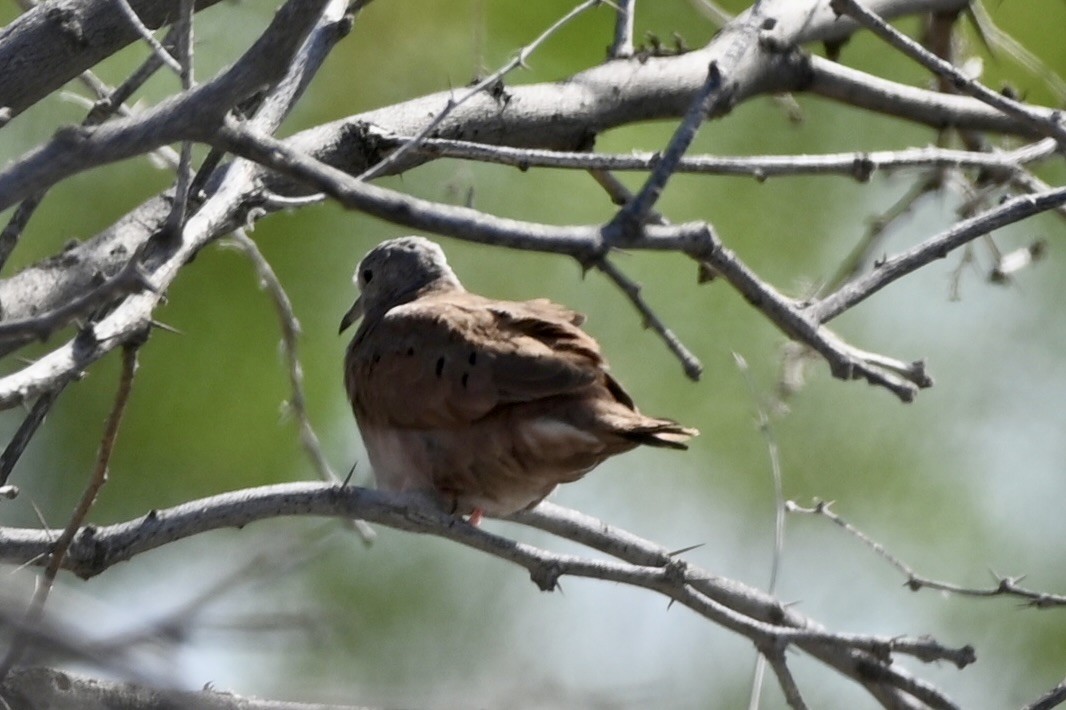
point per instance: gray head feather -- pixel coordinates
(395, 272)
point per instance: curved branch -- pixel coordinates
(754, 615)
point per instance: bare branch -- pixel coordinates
(487, 84)
(290, 335)
(189, 115)
(622, 47)
(105, 546)
(146, 34)
(1051, 125)
(134, 314)
(58, 551)
(24, 434)
(130, 280)
(55, 688)
(1051, 699)
(776, 658)
(689, 362)
(1005, 586)
(184, 43)
(712, 95)
(1010, 211)
(858, 165)
(54, 41)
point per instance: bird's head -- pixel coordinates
(395, 272)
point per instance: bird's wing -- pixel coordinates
(446, 360)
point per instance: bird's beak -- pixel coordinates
(354, 313)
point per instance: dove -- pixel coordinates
(483, 405)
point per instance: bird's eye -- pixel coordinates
(368, 275)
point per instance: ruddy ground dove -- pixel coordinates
(485, 405)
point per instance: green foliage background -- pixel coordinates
(968, 478)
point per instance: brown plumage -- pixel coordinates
(487, 405)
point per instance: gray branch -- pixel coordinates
(742, 609)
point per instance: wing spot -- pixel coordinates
(465, 378)
(473, 358)
(410, 352)
(440, 366)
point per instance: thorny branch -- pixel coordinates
(57, 551)
(743, 610)
(290, 335)
(1047, 124)
(492, 83)
(1004, 586)
(755, 54)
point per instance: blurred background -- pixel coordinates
(968, 480)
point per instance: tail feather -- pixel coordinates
(663, 433)
(633, 426)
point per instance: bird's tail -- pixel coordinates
(664, 433)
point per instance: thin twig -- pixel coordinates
(1052, 126)
(184, 43)
(290, 336)
(622, 47)
(1005, 586)
(865, 251)
(689, 362)
(891, 270)
(766, 429)
(620, 194)
(785, 679)
(114, 102)
(997, 41)
(96, 482)
(146, 34)
(859, 165)
(491, 80)
(274, 563)
(21, 439)
(630, 218)
(1024, 181)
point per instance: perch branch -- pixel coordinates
(95, 549)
